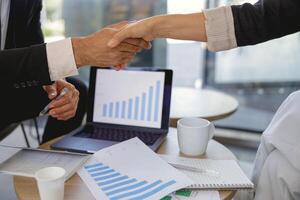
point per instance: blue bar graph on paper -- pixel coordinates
(102, 173)
(154, 191)
(130, 187)
(93, 166)
(145, 106)
(97, 169)
(101, 178)
(118, 186)
(137, 191)
(111, 181)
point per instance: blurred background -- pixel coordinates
(260, 77)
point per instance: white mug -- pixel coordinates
(193, 135)
(51, 181)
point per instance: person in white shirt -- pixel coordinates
(277, 166)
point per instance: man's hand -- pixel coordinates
(65, 107)
(93, 49)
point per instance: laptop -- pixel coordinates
(122, 105)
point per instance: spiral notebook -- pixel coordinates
(217, 174)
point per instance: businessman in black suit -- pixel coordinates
(22, 30)
(40, 64)
(26, 69)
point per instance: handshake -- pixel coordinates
(117, 44)
(95, 50)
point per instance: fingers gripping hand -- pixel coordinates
(140, 29)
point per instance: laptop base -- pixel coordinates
(78, 144)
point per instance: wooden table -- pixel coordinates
(26, 188)
(208, 104)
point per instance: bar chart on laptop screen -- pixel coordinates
(129, 98)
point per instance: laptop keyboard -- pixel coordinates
(118, 135)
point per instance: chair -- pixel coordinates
(8, 130)
(5, 132)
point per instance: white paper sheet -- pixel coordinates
(130, 170)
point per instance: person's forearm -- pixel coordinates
(179, 26)
(78, 50)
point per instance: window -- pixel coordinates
(185, 57)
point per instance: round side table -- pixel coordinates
(203, 103)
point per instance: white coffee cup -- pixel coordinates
(193, 135)
(51, 183)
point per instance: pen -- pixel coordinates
(194, 169)
(46, 109)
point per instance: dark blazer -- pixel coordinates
(22, 66)
(265, 20)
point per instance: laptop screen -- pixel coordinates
(129, 97)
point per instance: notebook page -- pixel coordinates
(229, 174)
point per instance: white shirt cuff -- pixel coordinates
(219, 27)
(61, 61)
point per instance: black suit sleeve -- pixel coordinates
(18, 66)
(265, 20)
(35, 28)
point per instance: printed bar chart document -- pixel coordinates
(130, 170)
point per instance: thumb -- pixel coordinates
(118, 25)
(51, 91)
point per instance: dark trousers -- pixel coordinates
(22, 104)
